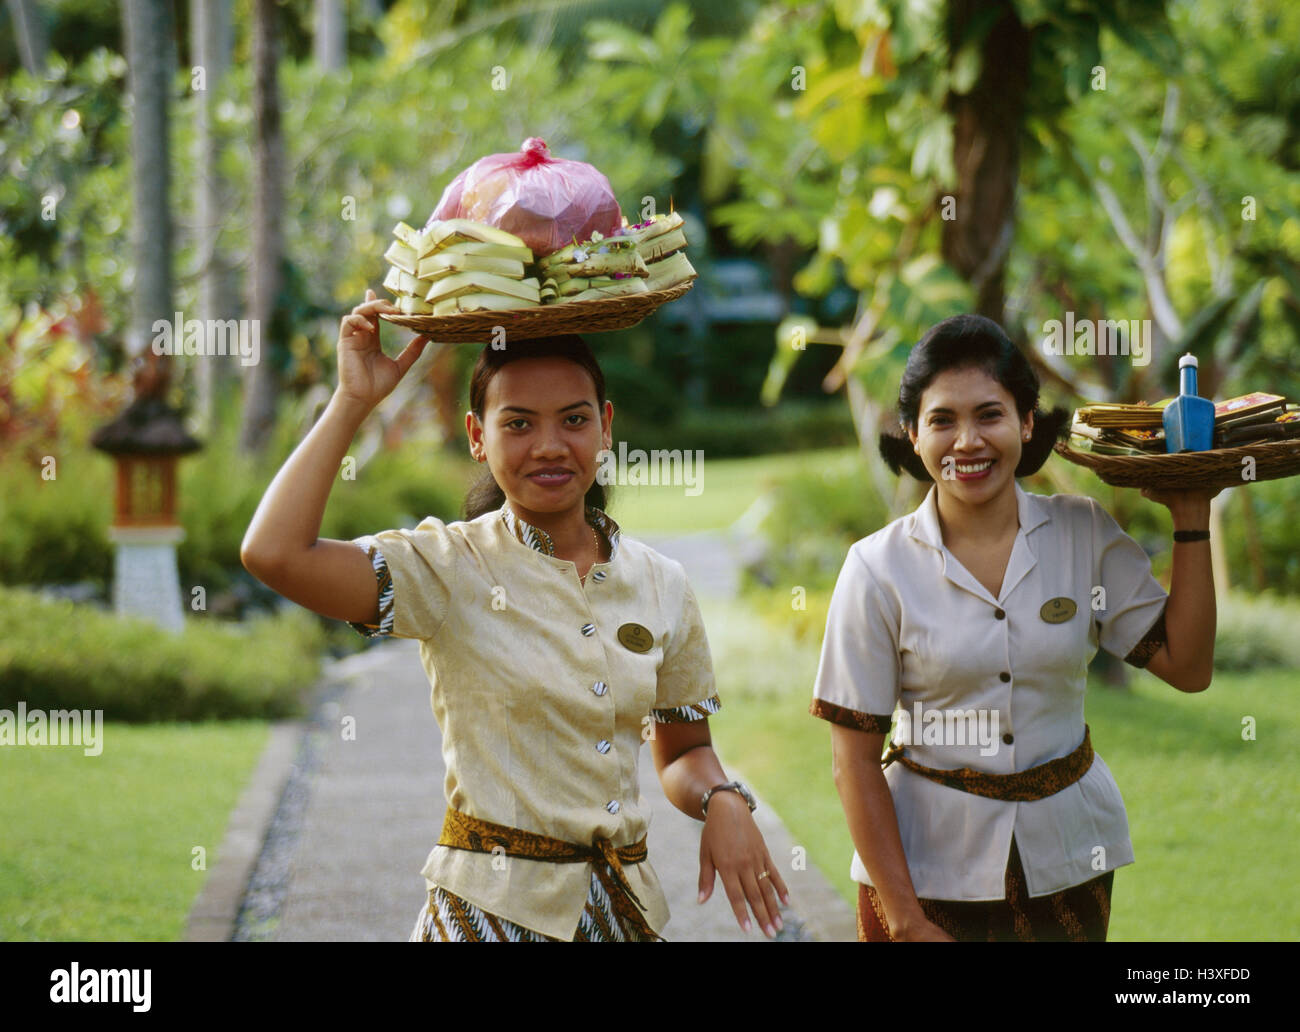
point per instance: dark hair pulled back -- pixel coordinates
(959, 342)
(485, 495)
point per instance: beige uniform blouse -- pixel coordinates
(910, 627)
(545, 691)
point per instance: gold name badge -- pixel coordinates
(635, 637)
(1058, 610)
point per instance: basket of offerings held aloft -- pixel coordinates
(1252, 437)
(537, 246)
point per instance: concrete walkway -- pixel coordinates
(709, 557)
(329, 838)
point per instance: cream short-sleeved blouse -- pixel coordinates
(542, 702)
(910, 627)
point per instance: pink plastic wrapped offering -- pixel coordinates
(547, 202)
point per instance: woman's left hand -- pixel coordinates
(1185, 506)
(732, 847)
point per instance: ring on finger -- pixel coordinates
(765, 874)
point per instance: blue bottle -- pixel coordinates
(1189, 418)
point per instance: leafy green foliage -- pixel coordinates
(814, 126)
(1230, 277)
(1256, 632)
(812, 519)
(367, 147)
(51, 391)
(56, 530)
(62, 223)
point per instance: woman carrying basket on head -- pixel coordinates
(976, 616)
(554, 646)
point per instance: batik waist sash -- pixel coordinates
(1023, 786)
(461, 831)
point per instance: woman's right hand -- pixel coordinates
(919, 929)
(366, 374)
(873, 825)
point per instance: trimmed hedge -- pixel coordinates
(60, 655)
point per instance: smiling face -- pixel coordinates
(541, 433)
(969, 435)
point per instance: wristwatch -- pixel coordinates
(732, 786)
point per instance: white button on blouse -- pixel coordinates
(989, 683)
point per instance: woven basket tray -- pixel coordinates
(606, 313)
(1221, 467)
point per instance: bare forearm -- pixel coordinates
(730, 845)
(1190, 614)
(689, 776)
(873, 826)
(288, 518)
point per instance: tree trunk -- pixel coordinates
(331, 40)
(29, 31)
(261, 382)
(147, 29)
(211, 44)
(986, 151)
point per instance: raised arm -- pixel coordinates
(873, 825)
(281, 547)
(1186, 660)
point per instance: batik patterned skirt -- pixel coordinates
(446, 917)
(1077, 914)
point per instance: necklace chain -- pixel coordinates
(596, 535)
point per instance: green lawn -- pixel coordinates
(1215, 820)
(103, 847)
(727, 487)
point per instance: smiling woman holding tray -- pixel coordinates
(553, 647)
(976, 616)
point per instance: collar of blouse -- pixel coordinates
(540, 540)
(925, 527)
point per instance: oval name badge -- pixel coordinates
(635, 637)
(1058, 610)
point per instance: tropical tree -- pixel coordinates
(150, 60)
(262, 380)
(29, 33)
(210, 33)
(331, 34)
(876, 134)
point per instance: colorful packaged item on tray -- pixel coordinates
(1134, 429)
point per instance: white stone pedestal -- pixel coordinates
(145, 580)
